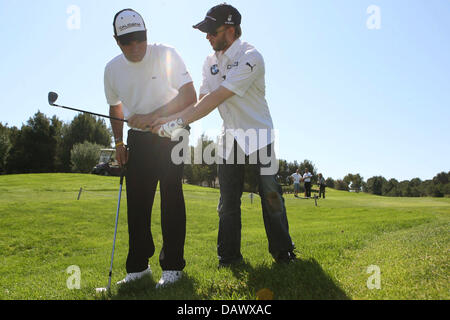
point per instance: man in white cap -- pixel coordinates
(150, 80)
(233, 81)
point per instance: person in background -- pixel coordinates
(297, 177)
(307, 178)
(322, 185)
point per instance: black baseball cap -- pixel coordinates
(222, 14)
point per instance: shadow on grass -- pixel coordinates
(145, 289)
(298, 280)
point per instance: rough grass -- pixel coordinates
(44, 229)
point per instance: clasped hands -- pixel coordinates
(148, 122)
(153, 122)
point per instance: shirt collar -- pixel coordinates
(231, 51)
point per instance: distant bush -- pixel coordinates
(84, 156)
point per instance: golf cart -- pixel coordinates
(107, 166)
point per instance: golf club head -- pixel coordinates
(52, 97)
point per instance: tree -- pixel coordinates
(330, 182)
(203, 172)
(390, 188)
(5, 146)
(441, 178)
(84, 156)
(283, 172)
(292, 167)
(83, 127)
(34, 146)
(375, 185)
(307, 164)
(340, 185)
(353, 181)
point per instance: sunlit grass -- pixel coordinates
(44, 229)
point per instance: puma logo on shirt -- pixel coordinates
(251, 67)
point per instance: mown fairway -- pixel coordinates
(44, 229)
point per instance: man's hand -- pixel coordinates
(171, 129)
(157, 123)
(122, 155)
(143, 121)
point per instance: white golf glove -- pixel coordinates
(172, 129)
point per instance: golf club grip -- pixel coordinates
(123, 173)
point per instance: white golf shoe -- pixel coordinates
(169, 277)
(135, 276)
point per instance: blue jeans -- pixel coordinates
(231, 180)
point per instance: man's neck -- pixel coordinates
(227, 47)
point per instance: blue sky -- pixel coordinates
(349, 98)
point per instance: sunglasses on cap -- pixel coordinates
(128, 38)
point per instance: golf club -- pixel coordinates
(53, 96)
(108, 287)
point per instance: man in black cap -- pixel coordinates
(233, 81)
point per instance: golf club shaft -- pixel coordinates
(88, 112)
(115, 231)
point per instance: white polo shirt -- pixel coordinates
(145, 86)
(307, 177)
(240, 69)
(296, 177)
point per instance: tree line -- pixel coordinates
(44, 145)
(439, 186)
(49, 145)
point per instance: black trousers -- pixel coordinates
(149, 161)
(322, 191)
(307, 189)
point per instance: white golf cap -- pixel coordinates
(128, 21)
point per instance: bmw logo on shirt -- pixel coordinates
(214, 70)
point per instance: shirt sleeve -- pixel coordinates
(250, 67)
(204, 88)
(111, 96)
(177, 71)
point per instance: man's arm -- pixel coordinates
(207, 104)
(186, 96)
(117, 128)
(201, 109)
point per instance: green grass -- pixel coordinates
(44, 229)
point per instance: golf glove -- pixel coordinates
(171, 129)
